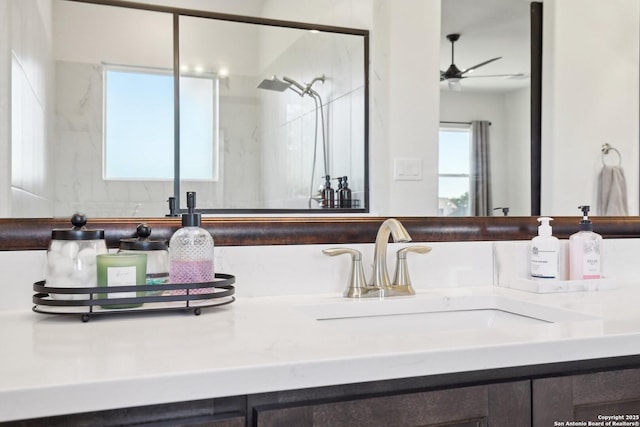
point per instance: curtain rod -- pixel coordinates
(458, 123)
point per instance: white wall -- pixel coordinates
(405, 94)
(518, 141)
(590, 96)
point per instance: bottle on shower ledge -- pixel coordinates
(339, 195)
(328, 194)
(191, 250)
(345, 198)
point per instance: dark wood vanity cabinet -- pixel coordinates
(587, 397)
(220, 412)
(491, 399)
(538, 402)
(504, 404)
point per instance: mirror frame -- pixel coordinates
(536, 106)
(178, 12)
(35, 234)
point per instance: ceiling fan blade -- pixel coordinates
(470, 69)
(442, 78)
(523, 75)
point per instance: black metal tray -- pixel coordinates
(96, 301)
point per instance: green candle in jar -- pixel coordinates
(122, 269)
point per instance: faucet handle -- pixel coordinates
(357, 282)
(401, 277)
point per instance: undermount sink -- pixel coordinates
(432, 313)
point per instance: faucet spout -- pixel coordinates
(389, 227)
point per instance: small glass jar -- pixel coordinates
(71, 258)
(157, 252)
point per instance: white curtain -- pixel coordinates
(480, 169)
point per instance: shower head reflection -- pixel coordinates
(274, 84)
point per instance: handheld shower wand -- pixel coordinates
(288, 83)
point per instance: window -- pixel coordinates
(454, 166)
(139, 131)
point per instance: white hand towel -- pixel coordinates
(612, 192)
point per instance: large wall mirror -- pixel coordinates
(146, 102)
(581, 111)
(488, 110)
(266, 149)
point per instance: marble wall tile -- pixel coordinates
(239, 119)
(79, 102)
(31, 108)
(5, 109)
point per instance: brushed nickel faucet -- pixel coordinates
(357, 286)
(380, 285)
(393, 227)
(401, 279)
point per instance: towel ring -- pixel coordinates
(606, 148)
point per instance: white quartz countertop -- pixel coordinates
(52, 365)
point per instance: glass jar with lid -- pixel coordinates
(157, 255)
(71, 258)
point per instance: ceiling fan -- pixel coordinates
(453, 75)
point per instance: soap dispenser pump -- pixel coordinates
(545, 250)
(191, 249)
(584, 250)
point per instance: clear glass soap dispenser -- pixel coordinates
(191, 250)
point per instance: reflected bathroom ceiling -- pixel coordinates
(488, 29)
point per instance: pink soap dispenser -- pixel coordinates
(584, 250)
(191, 250)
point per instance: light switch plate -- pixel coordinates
(407, 169)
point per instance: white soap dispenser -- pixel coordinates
(584, 250)
(545, 250)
